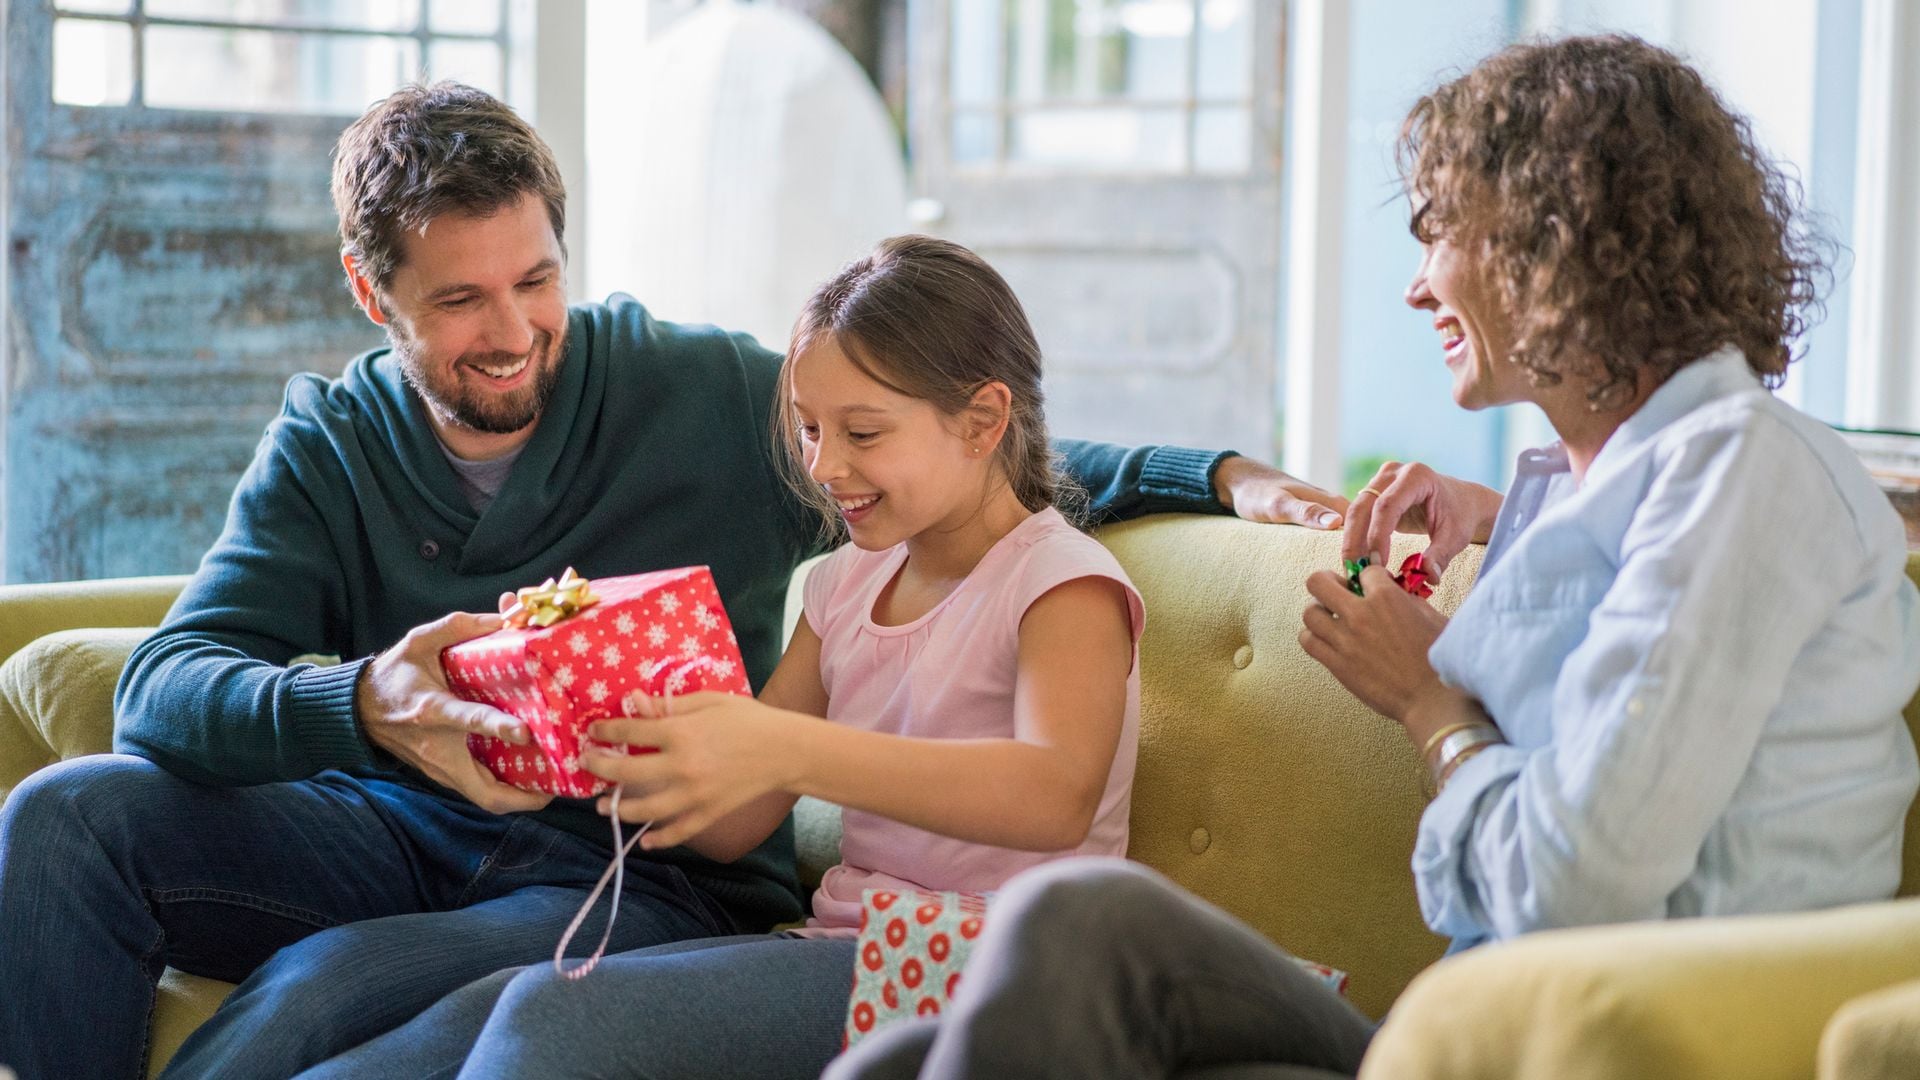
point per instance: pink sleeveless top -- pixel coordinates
(950, 675)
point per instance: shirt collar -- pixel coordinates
(1719, 374)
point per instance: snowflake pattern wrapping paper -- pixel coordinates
(662, 634)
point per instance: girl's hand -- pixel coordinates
(1414, 498)
(717, 752)
(1376, 644)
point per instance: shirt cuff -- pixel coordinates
(322, 715)
(1445, 876)
(1184, 477)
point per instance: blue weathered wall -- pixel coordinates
(167, 272)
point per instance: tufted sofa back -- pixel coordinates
(1262, 785)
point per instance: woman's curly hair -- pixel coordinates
(1622, 212)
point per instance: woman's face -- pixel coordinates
(1476, 336)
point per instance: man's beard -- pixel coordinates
(468, 407)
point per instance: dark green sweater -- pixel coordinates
(350, 528)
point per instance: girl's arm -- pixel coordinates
(795, 690)
(1037, 791)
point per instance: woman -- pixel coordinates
(1675, 689)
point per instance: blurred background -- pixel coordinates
(1194, 198)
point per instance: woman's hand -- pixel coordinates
(1376, 644)
(716, 753)
(1414, 498)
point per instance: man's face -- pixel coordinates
(477, 314)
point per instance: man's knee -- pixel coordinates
(87, 794)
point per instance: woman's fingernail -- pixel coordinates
(1329, 519)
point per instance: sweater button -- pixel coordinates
(1242, 657)
(1200, 841)
(429, 550)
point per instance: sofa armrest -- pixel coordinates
(1740, 998)
(56, 698)
(31, 611)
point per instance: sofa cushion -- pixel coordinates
(1874, 1037)
(1264, 786)
(35, 611)
(1694, 999)
(56, 699)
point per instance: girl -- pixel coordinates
(973, 654)
(1675, 689)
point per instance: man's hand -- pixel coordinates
(1413, 498)
(406, 709)
(1260, 492)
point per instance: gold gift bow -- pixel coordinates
(550, 601)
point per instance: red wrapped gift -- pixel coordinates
(584, 652)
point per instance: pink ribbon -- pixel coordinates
(617, 868)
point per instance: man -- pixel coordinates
(320, 833)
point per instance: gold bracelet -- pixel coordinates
(1454, 765)
(1434, 740)
(1471, 741)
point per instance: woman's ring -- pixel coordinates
(1371, 491)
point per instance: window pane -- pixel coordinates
(92, 62)
(104, 7)
(978, 33)
(1149, 140)
(476, 63)
(270, 71)
(1222, 140)
(1226, 50)
(357, 14)
(1098, 49)
(464, 16)
(976, 138)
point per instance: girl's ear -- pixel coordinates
(987, 415)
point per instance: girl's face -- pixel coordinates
(1476, 335)
(896, 465)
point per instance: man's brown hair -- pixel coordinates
(424, 151)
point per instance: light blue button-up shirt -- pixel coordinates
(1698, 656)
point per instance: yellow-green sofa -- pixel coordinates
(1267, 789)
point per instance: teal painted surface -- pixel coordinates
(167, 271)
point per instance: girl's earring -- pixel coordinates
(976, 449)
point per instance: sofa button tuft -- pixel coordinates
(1200, 841)
(1242, 657)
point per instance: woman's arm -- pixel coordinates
(1658, 711)
(1037, 791)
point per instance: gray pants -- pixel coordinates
(1103, 969)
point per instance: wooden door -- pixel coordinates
(170, 262)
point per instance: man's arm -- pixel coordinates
(211, 695)
(1125, 482)
(215, 697)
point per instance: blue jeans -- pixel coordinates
(343, 907)
(759, 1007)
(1104, 970)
